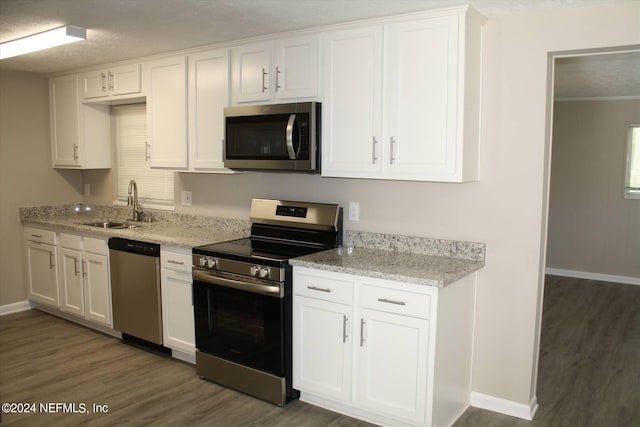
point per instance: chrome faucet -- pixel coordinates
(133, 201)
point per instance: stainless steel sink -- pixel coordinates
(111, 224)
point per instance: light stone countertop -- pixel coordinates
(391, 265)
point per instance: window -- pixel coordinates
(154, 186)
(632, 181)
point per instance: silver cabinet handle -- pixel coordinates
(390, 301)
(75, 266)
(147, 147)
(111, 80)
(51, 264)
(362, 322)
(175, 262)
(75, 152)
(315, 288)
(344, 328)
(374, 143)
(289, 136)
(37, 236)
(104, 82)
(277, 79)
(264, 73)
(392, 149)
(84, 268)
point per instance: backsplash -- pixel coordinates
(417, 245)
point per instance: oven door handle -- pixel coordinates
(290, 149)
(255, 288)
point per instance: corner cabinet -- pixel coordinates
(401, 100)
(165, 85)
(80, 133)
(387, 352)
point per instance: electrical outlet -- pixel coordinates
(87, 190)
(354, 211)
(186, 198)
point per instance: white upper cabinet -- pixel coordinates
(275, 70)
(351, 109)
(165, 83)
(115, 82)
(415, 114)
(208, 96)
(80, 133)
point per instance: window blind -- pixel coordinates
(154, 186)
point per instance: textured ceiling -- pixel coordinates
(119, 30)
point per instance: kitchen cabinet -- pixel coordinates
(275, 70)
(111, 83)
(84, 277)
(165, 85)
(80, 133)
(208, 97)
(402, 99)
(42, 266)
(388, 352)
(177, 303)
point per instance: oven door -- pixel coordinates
(236, 323)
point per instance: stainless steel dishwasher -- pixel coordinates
(135, 290)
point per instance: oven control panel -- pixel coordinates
(249, 269)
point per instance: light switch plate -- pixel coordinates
(186, 198)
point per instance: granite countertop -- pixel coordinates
(400, 258)
(170, 229)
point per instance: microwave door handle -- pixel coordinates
(292, 153)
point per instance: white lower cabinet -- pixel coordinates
(177, 302)
(387, 352)
(42, 266)
(84, 277)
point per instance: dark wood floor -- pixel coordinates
(589, 373)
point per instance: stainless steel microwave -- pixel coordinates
(277, 137)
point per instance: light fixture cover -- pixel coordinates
(44, 40)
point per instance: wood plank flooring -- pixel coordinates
(589, 373)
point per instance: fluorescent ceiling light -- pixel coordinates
(44, 40)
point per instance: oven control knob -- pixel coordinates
(263, 272)
(254, 270)
(211, 263)
(203, 262)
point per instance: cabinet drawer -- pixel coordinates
(95, 246)
(39, 235)
(396, 301)
(176, 261)
(324, 288)
(71, 241)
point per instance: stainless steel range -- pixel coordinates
(242, 296)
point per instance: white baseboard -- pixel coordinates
(15, 307)
(504, 406)
(627, 280)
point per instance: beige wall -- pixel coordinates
(592, 227)
(26, 176)
(506, 209)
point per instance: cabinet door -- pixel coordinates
(392, 365)
(296, 67)
(323, 345)
(352, 115)
(65, 120)
(251, 72)
(71, 283)
(124, 80)
(97, 289)
(177, 311)
(421, 98)
(94, 84)
(208, 96)
(166, 90)
(43, 273)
